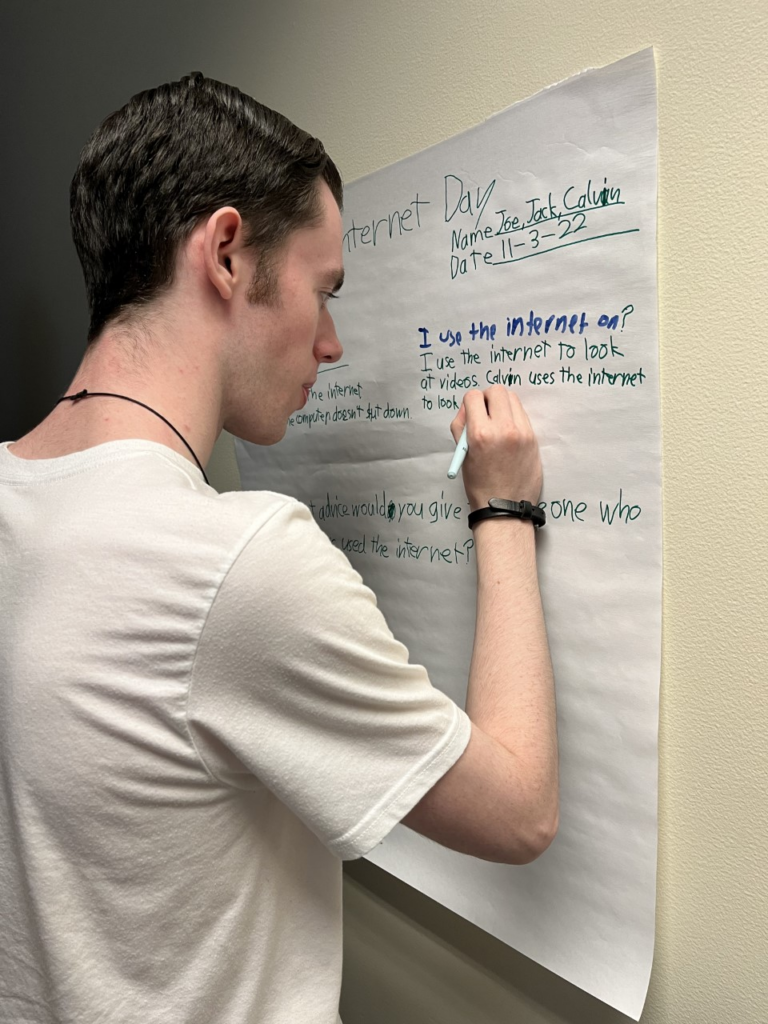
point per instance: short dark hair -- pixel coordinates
(172, 156)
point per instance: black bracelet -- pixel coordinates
(498, 507)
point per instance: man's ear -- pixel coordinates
(224, 251)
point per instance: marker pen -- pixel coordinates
(458, 456)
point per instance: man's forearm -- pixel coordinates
(511, 693)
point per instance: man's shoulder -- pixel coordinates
(224, 518)
(142, 497)
(254, 510)
(150, 482)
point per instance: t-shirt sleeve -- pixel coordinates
(299, 685)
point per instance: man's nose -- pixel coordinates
(327, 344)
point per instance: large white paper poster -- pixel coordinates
(521, 252)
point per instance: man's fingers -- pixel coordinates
(475, 410)
(458, 423)
(499, 402)
(497, 411)
(504, 405)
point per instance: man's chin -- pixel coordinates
(264, 438)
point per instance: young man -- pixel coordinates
(202, 711)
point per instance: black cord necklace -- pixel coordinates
(109, 394)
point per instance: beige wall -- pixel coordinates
(378, 80)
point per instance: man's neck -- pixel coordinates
(185, 391)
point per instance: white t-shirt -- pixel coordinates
(202, 711)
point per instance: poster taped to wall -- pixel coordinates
(521, 252)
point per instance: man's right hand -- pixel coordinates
(503, 457)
